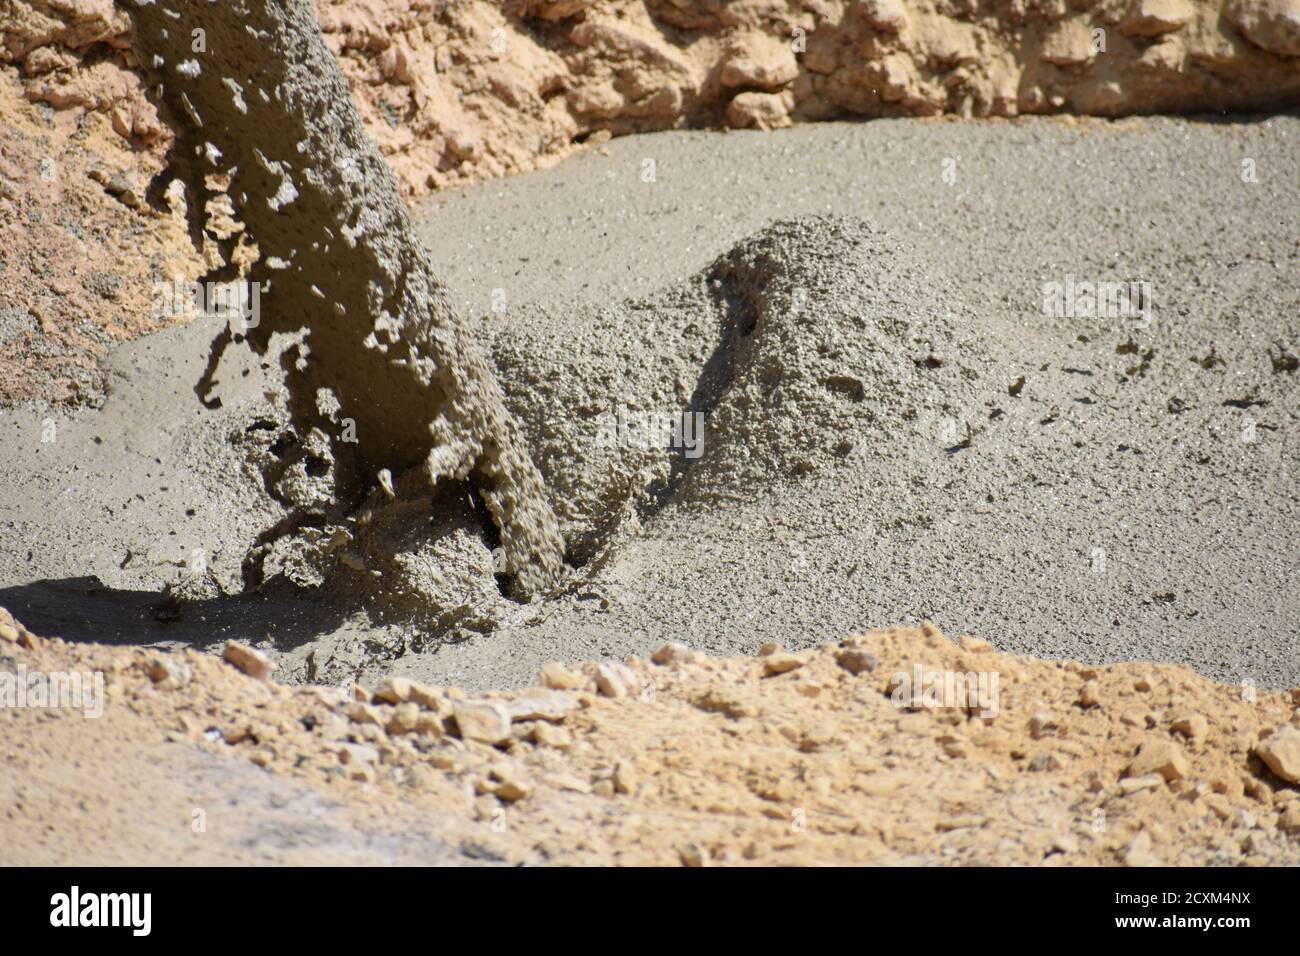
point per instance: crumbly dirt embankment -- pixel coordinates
(474, 89)
(81, 252)
(781, 759)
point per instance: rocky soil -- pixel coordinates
(456, 91)
(832, 755)
(81, 252)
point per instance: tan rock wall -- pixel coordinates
(454, 91)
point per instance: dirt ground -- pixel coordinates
(847, 753)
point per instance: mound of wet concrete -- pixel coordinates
(809, 340)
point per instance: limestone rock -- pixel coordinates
(674, 654)
(1090, 694)
(1153, 18)
(1042, 724)
(1149, 781)
(857, 661)
(429, 724)
(1140, 851)
(169, 672)
(626, 778)
(252, 662)
(1280, 751)
(360, 713)
(393, 690)
(1069, 44)
(760, 110)
(1065, 843)
(888, 16)
(549, 735)
(538, 704)
(759, 61)
(558, 677)
(405, 719)
(484, 720)
(430, 699)
(555, 9)
(1192, 726)
(1272, 25)
(357, 754)
(615, 680)
(511, 784)
(726, 701)
(691, 855)
(781, 663)
(1160, 756)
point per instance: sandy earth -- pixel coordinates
(819, 757)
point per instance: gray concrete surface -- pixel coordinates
(1135, 498)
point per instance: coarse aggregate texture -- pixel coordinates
(1098, 488)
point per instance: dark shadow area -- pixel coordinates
(84, 610)
(738, 293)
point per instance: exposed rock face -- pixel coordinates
(1153, 18)
(466, 90)
(1272, 25)
(81, 253)
(254, 97)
